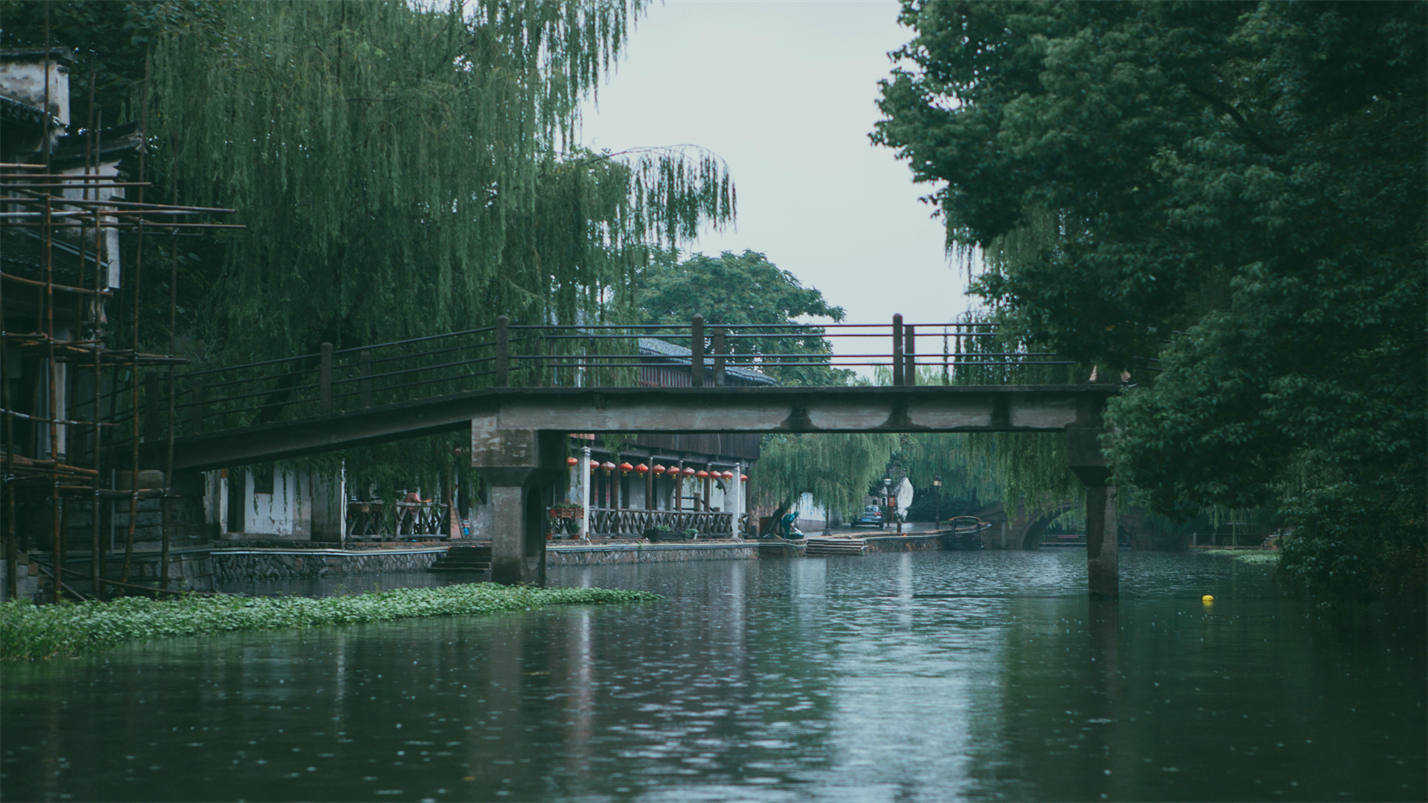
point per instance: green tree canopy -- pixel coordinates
(1236, 190)
(405, 171)
(738, 290)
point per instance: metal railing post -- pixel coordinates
(897, 349)
(151, 405)
(696, 351)
(503, 352)
(364, 378)
(719, 357)
(909, 355)
(324, 379)
(196, 423)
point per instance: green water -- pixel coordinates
(918, 677)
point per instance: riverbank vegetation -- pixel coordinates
(29, 632)
(1225, 201)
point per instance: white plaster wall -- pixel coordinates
(284, 513)
(25, 81)
(810, 514)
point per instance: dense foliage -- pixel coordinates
(1234, 189)
(837, 469)
(402, 169)
(29, 631)
(404, 172)
(743, 290)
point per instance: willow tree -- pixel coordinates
(835, 469)
(405, 170)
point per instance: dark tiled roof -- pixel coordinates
(16, 112)
(115, 143)
(680, 355)
(22, 253)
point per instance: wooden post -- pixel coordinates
(897, 349)
(364, 378)
(324, 380)
(503, 352)
(696, 351)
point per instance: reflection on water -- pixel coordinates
(930, 676)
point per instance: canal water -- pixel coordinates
(891, 677)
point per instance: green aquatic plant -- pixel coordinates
(30, 632)
(1246, 556)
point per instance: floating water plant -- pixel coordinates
(29, 631)
(1246, 555)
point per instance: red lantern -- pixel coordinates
(626, 468)
(607, 466)
(743, 478)
(689, 472)
(702, 474)
(658, 469)
(728, 475)
(642, 469)
(572, 462)
(594, 466)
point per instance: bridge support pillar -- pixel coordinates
(1083, 452)
(520, 466)
(1102, 559)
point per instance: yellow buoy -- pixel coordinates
(1207, 599)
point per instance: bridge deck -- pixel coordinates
(956, 408)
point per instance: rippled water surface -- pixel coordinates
(931, 676)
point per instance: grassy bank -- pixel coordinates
(29, 631)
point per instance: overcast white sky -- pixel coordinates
(785, 92)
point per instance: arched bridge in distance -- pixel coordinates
(517, 391)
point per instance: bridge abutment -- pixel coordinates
(520, 466)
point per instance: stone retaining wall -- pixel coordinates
(905, 543)
(229, 565)
(607, 554)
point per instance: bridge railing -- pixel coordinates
(332, 380)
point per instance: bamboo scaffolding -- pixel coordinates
(71, 208)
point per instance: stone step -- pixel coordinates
(832, 546)
(464, 559)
